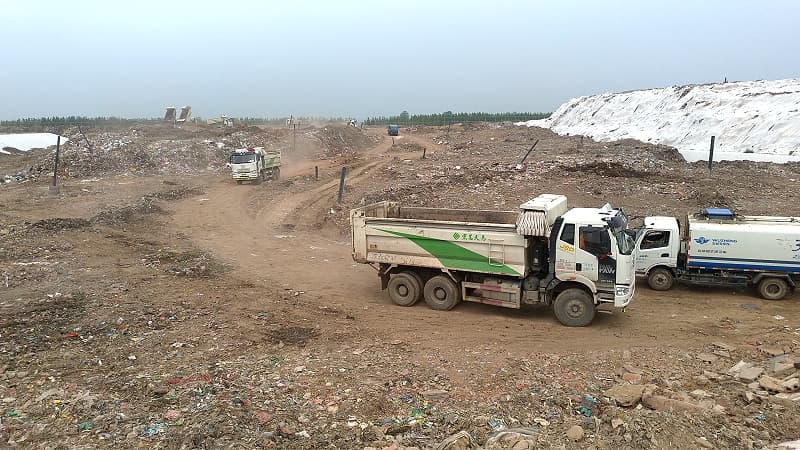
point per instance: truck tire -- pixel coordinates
(441, 293)
(238, 181)
(574, 308)
(773, 288)
(405, 288)
(276, 173)
(660, 279)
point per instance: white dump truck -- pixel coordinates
(254, 164)
(718, 247)
(574, 259)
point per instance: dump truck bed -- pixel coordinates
(272, 159)
(453, 239)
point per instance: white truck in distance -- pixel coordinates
(254, 164)
(718, 247)
(574, 260)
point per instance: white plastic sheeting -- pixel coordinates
(758, 118)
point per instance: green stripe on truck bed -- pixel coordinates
(454, 256)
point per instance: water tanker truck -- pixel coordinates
(575, 260)
(719, 248)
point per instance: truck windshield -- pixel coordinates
(241, 158)
(625, 242)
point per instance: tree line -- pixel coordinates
(68, 120)
(448, 117)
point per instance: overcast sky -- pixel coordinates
(361, 58)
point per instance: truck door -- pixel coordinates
(593, 257)
(654, 250)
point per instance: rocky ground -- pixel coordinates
(136, 311)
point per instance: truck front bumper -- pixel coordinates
(623, 294)
(245, 176)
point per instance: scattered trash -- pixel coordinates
(152, 430)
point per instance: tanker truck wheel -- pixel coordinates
(660, 279)
(441, 293)
(773, 288)
(405, 288)
(574, 308)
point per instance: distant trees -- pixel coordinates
(449, 117)
(56, 121)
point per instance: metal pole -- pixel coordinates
(55, 165)
(711, 153)
(55, 189)
(341, 185)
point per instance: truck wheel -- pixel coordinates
(574, 308)
(276, 173)
(773, 288)
(405, 288)
(238, 181)
(441, 293)
(660, 279)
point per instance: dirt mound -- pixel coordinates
(609, 169)
(407, 147)
(293, 335)
(59, 223)
(343, 140)
(146, 205)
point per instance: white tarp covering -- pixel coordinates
(28, 141)
(758, 120)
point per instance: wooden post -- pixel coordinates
(529, 152)
(711, 154)
(294, 138)
(393, 142)
(91, 149)
(316, 172)
(424, 149)
(341, 185)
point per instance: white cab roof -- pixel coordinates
(589, 216)
(661, 223)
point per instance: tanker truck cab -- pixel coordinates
(718, 247)
(592, 248)
(658, 245)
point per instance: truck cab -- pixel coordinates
(593, 249)
(246, 164)
(658, 245)
(254, 164)
(393, 130)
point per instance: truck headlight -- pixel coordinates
(621, 291)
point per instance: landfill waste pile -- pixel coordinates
(139, 150)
